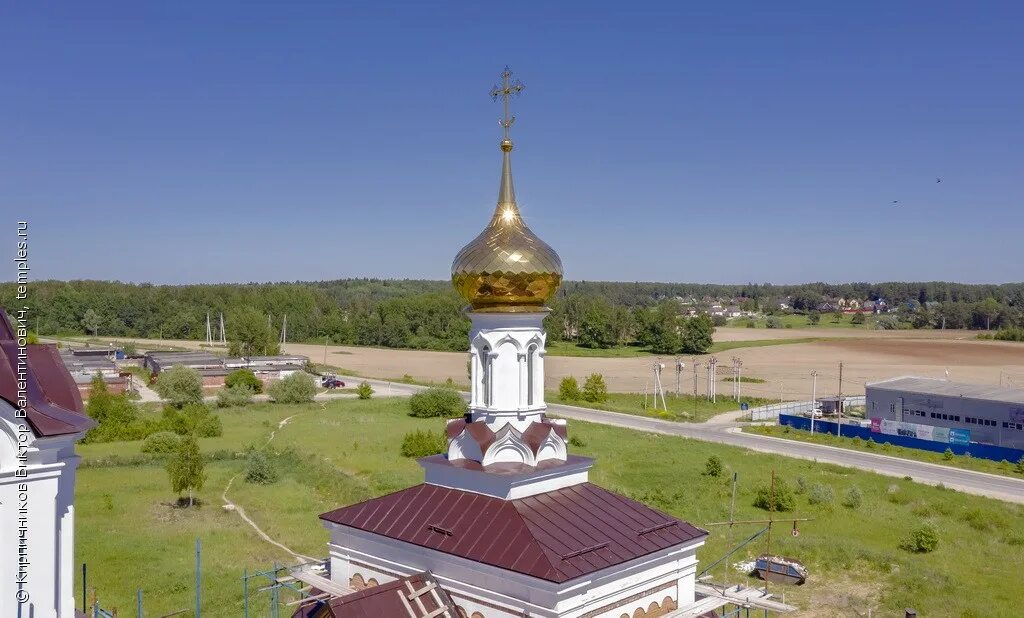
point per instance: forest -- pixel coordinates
(427, 314)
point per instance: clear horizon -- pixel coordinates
(191, 143)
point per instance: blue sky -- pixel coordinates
(722, 142)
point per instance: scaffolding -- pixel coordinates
(308, 582)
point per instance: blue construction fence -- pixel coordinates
(984, 451)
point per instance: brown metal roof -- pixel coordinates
(556, 536)
(415, 596)
(54, 405)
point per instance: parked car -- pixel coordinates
(331, 382)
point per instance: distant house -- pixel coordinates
(732, 312)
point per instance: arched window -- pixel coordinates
(531, 365)
(485, 374)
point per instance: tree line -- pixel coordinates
(429, 315)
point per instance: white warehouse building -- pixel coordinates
(993, 414)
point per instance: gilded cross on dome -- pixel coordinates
(506, 91)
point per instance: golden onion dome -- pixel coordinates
(507, 268)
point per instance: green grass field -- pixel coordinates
(685, 408)
(131, 536)
(795, 320)
(1006, 468)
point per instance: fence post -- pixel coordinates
(199, 554)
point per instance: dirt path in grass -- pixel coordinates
(228, 504)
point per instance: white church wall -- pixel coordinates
(507, 487)
(669, 572)
(45, 489)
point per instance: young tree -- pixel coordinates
(186, 469)
(92, 321)
(250, 334)
(180, 386)
(364, 390)
(986, 311)
(569, 390)
(98, 404)
(813, 318)
(858, 319)
(594, 389)
(697, 335)
(660, 329)
(713, 466)
(597, 328)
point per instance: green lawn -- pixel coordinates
(967, 463)
(795, 320)
(567, 348)
(345, 451)
(683, 408)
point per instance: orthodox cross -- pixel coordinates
(506, 91)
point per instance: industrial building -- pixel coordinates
(84, 367)
(941, 410)
(214, 369)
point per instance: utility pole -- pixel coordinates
(737, 373)
(695, 365)
(284, 329)
(814, 397)
(223, 335)
(712, 375)
(839, 404)
(679, 372)
(209, 333)
(658, 388)
(326, 339)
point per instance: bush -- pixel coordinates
(948, 454)
(801, 485)
(922, 540)
(436, 402)
(194, 419)
(713, 466)
(364, 390)
(180, 386)
(594, 389)
(773, 322)
(234, 396)
(208, 426)
(244, 377)
(569, 389)
(423, 443)
(1009, 334)
(1020, 466)
(296, 388)
(574, 440)
(820, 494)
(161, 442)
(782, 499)
(129, 349)
(260, 470)
(854, 497)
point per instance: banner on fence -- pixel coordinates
(921, 432)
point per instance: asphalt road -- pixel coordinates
(978, 483)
